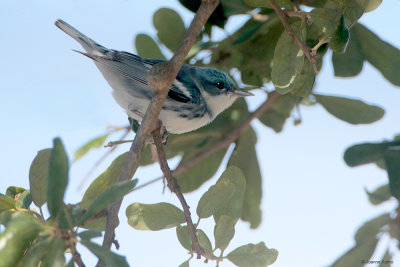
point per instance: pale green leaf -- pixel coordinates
(288, 59)
(215, 198)
(184, 237)
(245, 157)
(204, 241)
(170, 27)
(58, 177)
(371, 5)
(154, 216)
(146, 47)
(253, 255)
(38, 176)
(350, 110)
(224, 231)
(103, 181)
(105, 255)
(94, 143)
(55, 254)
(112, 194)
(15, 239)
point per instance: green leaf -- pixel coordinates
(6, 203)
(371, 5)
(98, 224)
(184, 237)
(154, 216)
(379, 195)
(350, 110)
(253, 255)
(356, 255)
(382, 55)
(170, 27)
(112, 194)
(103, 181)
(195, 176)
(38, 177)
(216, 197)
(367, 152)
(94, 143)
(340, 38)
(109, 258)
(89, 234)
(264, 3)
(234, 207)
(24, 200)
(245, 157)
(58, 177)
(353, 10)
(36, 253)
(256, 54)
(304, 82)
(326, 20)
(288, 59)
(12, 191)
(55, 254)
(185, 263)
(371, 228)
(349, 63)
(148, 48)
(15, 239)
(224, 231)
(275, 117)
(204, 241)
(392, 162)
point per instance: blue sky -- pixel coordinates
(312, 202)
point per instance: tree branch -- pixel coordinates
(283, 17)
(174, 187)
(183, 166)
(160, 79)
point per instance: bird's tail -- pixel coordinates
(88, 44)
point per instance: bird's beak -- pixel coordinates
(240, 92)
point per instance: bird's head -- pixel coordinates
(216, 83)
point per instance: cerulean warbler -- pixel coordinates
(196, 97)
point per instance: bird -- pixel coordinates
(196, 97)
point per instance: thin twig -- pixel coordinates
(283, 17)
(119, 142)
(76, 256)
(174, 187)
(160, 79)
(183, 166)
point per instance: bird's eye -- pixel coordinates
(220, 85)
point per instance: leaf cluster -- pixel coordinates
(32, 239)
(387, 156)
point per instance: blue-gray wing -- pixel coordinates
(136, 69)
